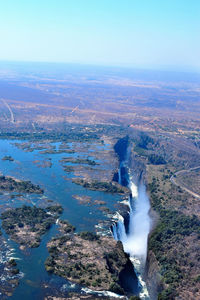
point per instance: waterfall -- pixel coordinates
(139, 224)
(119, 175)
(118, 229)
(134, 239)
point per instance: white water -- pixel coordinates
(135, 242)
(103, 293)
(119, 175)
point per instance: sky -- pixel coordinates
(133, 33)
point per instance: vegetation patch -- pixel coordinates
(8, 157)
(175, 239)
(14, 185)
(156, 159)
(87, 259)
(109, 187)
(86, 161)
(68, 169)
(172, 228)
(54, 151)
(26, 224)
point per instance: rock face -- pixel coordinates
(152, 276)
(138, 168)
(87, 259)
(121, 148)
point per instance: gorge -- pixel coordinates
(133, 228)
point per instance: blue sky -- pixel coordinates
(139, 33)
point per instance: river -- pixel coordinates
(36, 282)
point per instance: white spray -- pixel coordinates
(135, 242)
(139, 225)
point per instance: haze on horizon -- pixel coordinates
(148, 34)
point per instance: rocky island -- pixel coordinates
(11, 184)
(26, 224)
(8, 157)
(103, 186)
(93, 261)
(86, 161)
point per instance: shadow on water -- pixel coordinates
(129, 280)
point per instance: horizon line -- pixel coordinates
(161, 68)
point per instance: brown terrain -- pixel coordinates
(92, 104)
(159, 102)
(172, 173)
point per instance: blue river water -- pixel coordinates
(36, 282)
